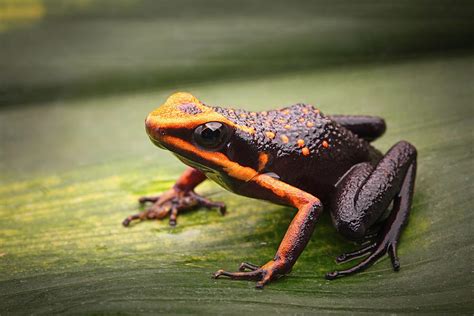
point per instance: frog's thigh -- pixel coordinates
(366, 127)
(366, 191)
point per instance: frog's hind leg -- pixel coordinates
(363, 196)
(366, 127)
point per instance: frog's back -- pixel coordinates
(298, 144)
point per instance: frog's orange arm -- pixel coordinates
(296, 237)
(190, 179)
(301, 228)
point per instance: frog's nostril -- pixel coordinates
(154, 129)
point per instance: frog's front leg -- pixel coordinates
(179, 198)
(297, 236)
(363, 196)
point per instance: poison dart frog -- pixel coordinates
(294, 156)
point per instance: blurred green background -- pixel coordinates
(77, 79)
(54, 49)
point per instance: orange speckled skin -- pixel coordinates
(295, 156)
(316, 172)
(329, 150)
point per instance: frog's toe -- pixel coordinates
(392, 252)
(153, 199)
(262, 276)
(348, 256)
(248, 266)
(153, 212)
(242, 275)
(126, 222)
(373, 252)
(173, 216)
(204, 202)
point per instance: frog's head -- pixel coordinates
(196, 134)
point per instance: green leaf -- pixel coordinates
(70, 174)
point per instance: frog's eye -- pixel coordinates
(210, 135)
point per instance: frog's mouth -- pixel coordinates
(208, 162)
(156, 143)
(194, 164)
(185, 160)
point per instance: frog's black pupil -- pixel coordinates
(210, 135)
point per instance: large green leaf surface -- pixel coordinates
(70, 172)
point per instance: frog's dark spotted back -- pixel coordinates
(300, 128)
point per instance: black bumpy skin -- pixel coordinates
(364, 195)
(293, 156)
(305, 148)
(366, 127)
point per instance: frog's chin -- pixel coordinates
(156, 143)
(194, 164)
(209, 172)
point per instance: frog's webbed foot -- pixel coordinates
(263, 275)
(172, 203)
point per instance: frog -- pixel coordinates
(294, 156)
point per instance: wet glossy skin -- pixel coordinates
(295, 156)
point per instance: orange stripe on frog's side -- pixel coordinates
(232, 168)
(285, 192)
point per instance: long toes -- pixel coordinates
(154, 212)
(139, 216)
(219, 205)
(348, 256)
(202, 201)
(252, 275)
(173, 216)
(248, 266)
(152, 199)
(361, 266)
(126, 222)
(171, 202)
(222, 209)
(260, 284)
(392, 252)
(332, 275)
